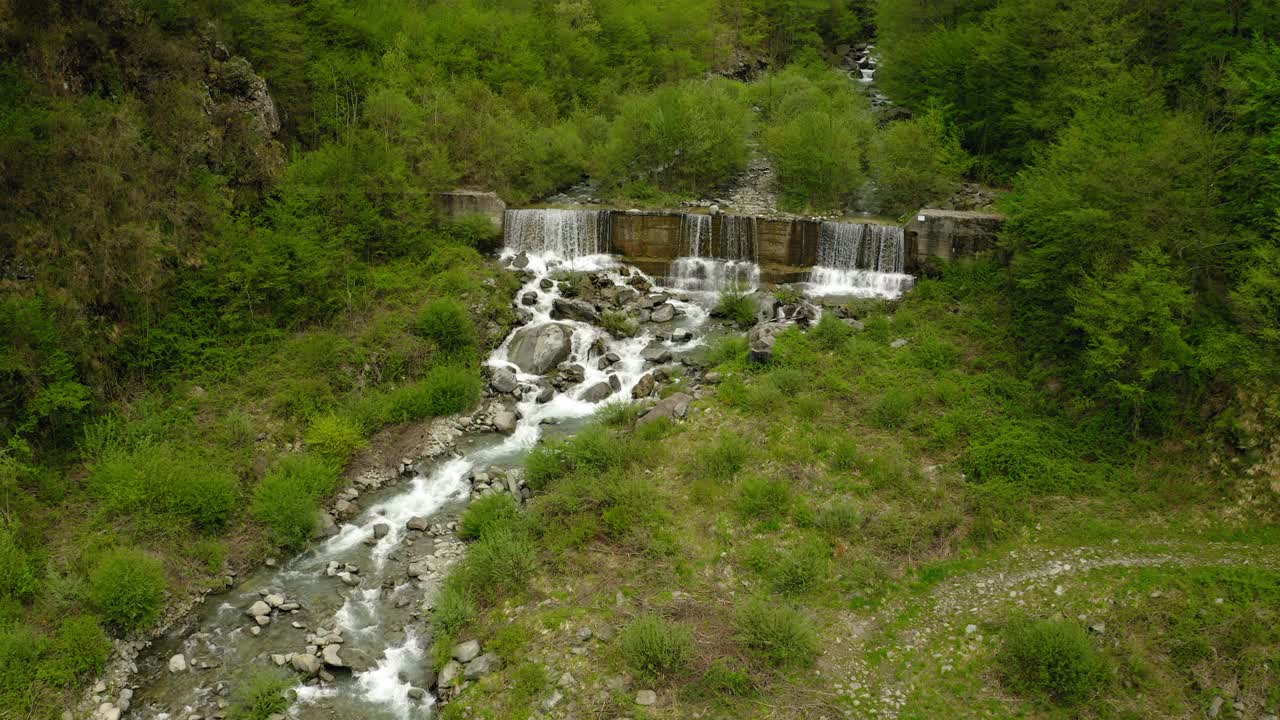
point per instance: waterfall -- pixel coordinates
(567, 234)
(715, 261)
(738, 237)
(860, 259)
(696, 231)
(697, 274)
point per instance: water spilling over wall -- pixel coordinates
(717, 253)
(695, 274)
(565, 233)
(860, 259)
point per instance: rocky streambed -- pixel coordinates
(348, 620)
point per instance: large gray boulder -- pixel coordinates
(503, 381)
(761, 340)
(580, 310)
(306, 664)
(673, 407)
(665, 312)
(597, 392)
(540, 348)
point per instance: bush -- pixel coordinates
(499, 565)
(127, 587)
(840, 516)
(779, 634)
(543, 464)
(161, 478)
(737, 306)
(727, 349)
(445, 390)
(455, 609)
(287, 499)
(654, 647)
(618, 324)
(830, 332)
(1052, 658)
(335, 437)
(818, 156)
(19, 657)
(725, 677)
(801, 568)
(447, 323)
(893, 409)
(262, 698)
(485, 515)
(723, 459)
(764, 499)
(916, 161)
(16, 579)
(79, 650)
(620, 413)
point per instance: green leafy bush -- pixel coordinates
(263, 697)
(287, 499)
(618, 324)
(127, 587)
(818, 154)
(1054, 658)
(780, 634)
(444, 391)
(79, 650)
(17, 581)
(335, 437)
(917, 161)
(447, 323)
(764, 499)
(737, 306)
(499, 565)
(19, 663)
(656, 647)
(160, 477)
(486, 515)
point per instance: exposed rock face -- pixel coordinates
(540, 348)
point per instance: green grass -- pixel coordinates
(780, 634)
(127, 587)
(486, 515)
(737, 307)
(1055, 659)
(654, 647)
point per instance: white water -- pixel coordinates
(714, 262)
(710, 275)
(860, 260)
(367, 614)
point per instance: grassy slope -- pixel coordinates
(841, 481)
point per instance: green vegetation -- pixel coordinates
(262, 698)
(486, 515)
(654, 647)
(737, 306)
(127, 587)
(288, 498)
(779, 633)
(1053, 658)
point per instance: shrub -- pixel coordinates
(917, 161)
(127, 587)
(727, 349)
(934, 354)
(1052, 658)
(16, 579)
(19, 656)
(840, 516)
(818, 156)
(445, 390)
(801, 568)
(618, 324)
(723, 459)
(620, 413)
(737, 306)
(206, 498)
(157, 477)
(447, 323)
(830, 332)
(500, 564)
(893, 409)
(764, 499)
(80, 649)
(455, 609)
(780, 634)
(1024, 455)
(335, 437)
(287, 499)
(726, 677)
(543, 464)
(789, 295)
(654, 647)
(485, 515)
(264, 697)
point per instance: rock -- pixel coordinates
(503, 381)
(644, 386)
(505, 422)
(573, 374)
(306, 664)
(419, 569)
(178, 663)
(713, 378)
(970, 629)
(418, 523)
(529, 298)
(855, 324)
(331, 657)
(520, 261)
(467, 651)
(646, 698)
(540, 348)
(326, 526)
(107, 711)
(615, 382)
(650, 302)
(666, 312)
(597, 392)
(258, 609)
(275, 600)
(581, 310)
(552, 701)
(761, 340)
(1215, 707)
(279, 660)
(450, 674)
(380, 530)
(899, 343)
(656, 354)
(545, 393)
(484, 665)
(674, 407)
(416, 693)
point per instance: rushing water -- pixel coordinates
(861, 260)
(718, 255)
(377, 615)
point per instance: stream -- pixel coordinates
(362, 597)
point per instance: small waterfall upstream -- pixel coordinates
(861, 260)
(566, 234)
(716, 261)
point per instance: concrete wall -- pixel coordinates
(949, 234)
(460, 203)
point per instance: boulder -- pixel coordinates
(529, 298)
(673, 408)
(644, 386)
(484, 665)
(450, 674)
(615, 382)
(656, 354)
(467, 651)
(503, 381)
(666, 312)
(521, 261)
(505, 421)
(380, 530)
(761, 339)
(540, 348)
(306, 664)
(178, 663)
(418, 523)
(275, 600)
(581, 310)
(258, 609)
(597, 392)
(326, 526)
(646, 697)
(331, 657)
